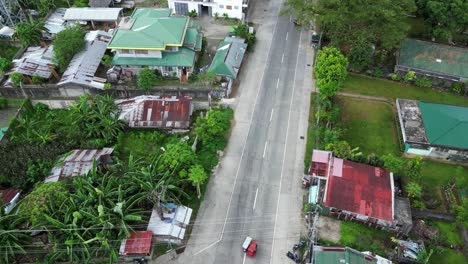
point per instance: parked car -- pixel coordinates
(249, 246)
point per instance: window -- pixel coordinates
(229, 7)
(141, 52)
(125, 51)
(236, 7)
(221, 6)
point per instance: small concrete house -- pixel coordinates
(233, 8)
(358, 192)
(153, 38)
(434, 130)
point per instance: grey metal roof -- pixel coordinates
(34, 61)
(92, 14)
(84, 64)
(55, 22)
(236, 54)
(99, 3)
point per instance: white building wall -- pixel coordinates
(231, 7)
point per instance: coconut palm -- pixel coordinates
(30, 32)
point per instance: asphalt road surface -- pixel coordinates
(256, 189)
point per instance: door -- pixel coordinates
(181, 8)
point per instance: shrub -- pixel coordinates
(395, 77)
(5, 64)
(3, 103)
(36, 79)
(378, 73)
(106, 60)
(216, 15)
(146, 79)
(16, 79)
(67, 43)
(409, 76)
(423, 82)
(193, 13)
(457, 88)
(226, 16)
(107, 86)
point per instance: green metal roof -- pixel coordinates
(185, 57)
(434, 57)
(2, 131)
(445, 125)
(151, 29)
(228, 58)
(193, 39)
(348, 256)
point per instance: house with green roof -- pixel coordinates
(155, 39)
(228, 58)
(441, 63)
(435, 130)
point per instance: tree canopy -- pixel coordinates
(356, 24)
(67, 43)
(330, 71)
(29, 32)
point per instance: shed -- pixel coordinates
(100, 3)
(54, 23)
(172, 226)
(83, 66)
(93, 14)
(139, 243)
(228, 57)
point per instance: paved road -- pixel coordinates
(256, 190)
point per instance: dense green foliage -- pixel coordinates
(146, 79)
(242, 31)
(67, 43)
(355, 26)
(30, 32)
(16, 79)
(3, 103)
(330, 71)
(5, 64)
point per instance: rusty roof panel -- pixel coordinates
(8, 195)
(138, 243)
(150, 111)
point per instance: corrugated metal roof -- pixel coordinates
(445, 125)
(156, 111)
(228, 57)
(34, 61)
(92, 14)
(79, 162)
(345, 255)
(99, 3)
(174, 223)
(361, 189)
(9, 194)
(84, 64)
(320, 161)
(138, 243)
(55, 22)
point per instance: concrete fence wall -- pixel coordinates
(73, 92)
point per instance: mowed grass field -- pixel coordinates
(359, 84)
(369, 125)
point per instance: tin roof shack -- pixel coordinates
(108, 17)
(326, 255)
(79, 162)
(138, 245)
(434, 130)
(9, 198)
(357, 192)
(148, 111)
(54, 23)
(172, 226)
(436, 61)
(34, 61)
(82, 68)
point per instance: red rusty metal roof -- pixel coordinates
(9, 194)
(157, 111)
(361, 189)
(320, 160)
(138, 243)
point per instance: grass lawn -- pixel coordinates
(363, 238)
(449, 232)
(310, 133)
(369, 125)
(445, 255)
(384, 88)
(438, 174)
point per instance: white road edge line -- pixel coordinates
(271, 115)
(287, 33)
(277, 83)
(212, 244)
(264, 148)
(243, 261)
(282, 58)
(255, 201)
(248, 132)
(285, 146)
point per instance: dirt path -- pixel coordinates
(329, 229)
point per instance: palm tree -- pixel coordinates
(30, 32)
